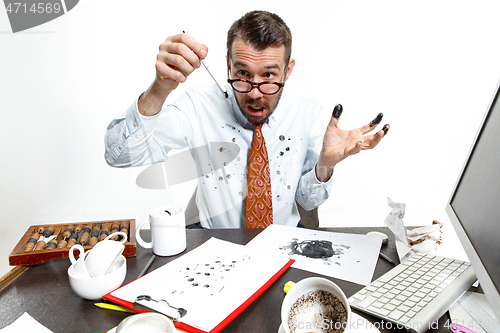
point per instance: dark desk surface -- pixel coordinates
(44, 291)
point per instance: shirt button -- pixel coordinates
(135, 123)
(120, 146)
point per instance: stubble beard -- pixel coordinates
(258, 102)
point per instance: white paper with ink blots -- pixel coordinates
(210, 282)
(349, 257)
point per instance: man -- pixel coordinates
(301, 153)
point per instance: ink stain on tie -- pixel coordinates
(282, 138)
(282, 153)
(287, 149)
(220, 178)
(234, 140)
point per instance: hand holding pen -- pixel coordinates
(177, 58)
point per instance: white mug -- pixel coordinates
(308, 297)
(168, 231)
(79, 267)
(103, 255)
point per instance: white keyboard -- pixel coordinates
(417, 292)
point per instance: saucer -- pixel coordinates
(281, 329)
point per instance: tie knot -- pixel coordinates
(257, 126)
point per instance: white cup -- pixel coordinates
(168, 231)
(146, 322)
(100, 260)
(79, 269)
(94, 288)
(301, 312)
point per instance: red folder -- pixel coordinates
(228, 319)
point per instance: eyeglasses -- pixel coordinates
(245, 86)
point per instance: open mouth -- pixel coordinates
(256, 110)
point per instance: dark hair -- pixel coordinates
(260, 30)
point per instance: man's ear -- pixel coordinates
(291, 64)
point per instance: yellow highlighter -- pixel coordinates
(114, 307)
(288, 286)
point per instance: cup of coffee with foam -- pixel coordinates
(315, 305)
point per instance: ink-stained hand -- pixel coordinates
(178, 57)
(339, 144)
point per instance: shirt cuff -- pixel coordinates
(135, 120)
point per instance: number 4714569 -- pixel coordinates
(36, 8)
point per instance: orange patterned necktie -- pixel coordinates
(259, 196)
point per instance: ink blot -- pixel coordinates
(220, 178)
(313, 248)
(207, 274)
(282, 137)
(234, 140)
(194, 284)
(190, 280)
(206, 286)
(287, 148)
(282, 153)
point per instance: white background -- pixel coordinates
(430, 66)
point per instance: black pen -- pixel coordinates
(209, 72)
(383, 256)
(147, 266)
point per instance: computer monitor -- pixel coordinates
(474, 206)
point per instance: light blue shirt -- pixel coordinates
(219, 138)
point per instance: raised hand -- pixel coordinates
(177, 58)
(339, 144)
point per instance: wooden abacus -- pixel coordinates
(36, 248)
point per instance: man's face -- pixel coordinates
(258, 66)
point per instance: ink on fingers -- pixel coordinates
(385, 128)
(337, 111)
(377, 119)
